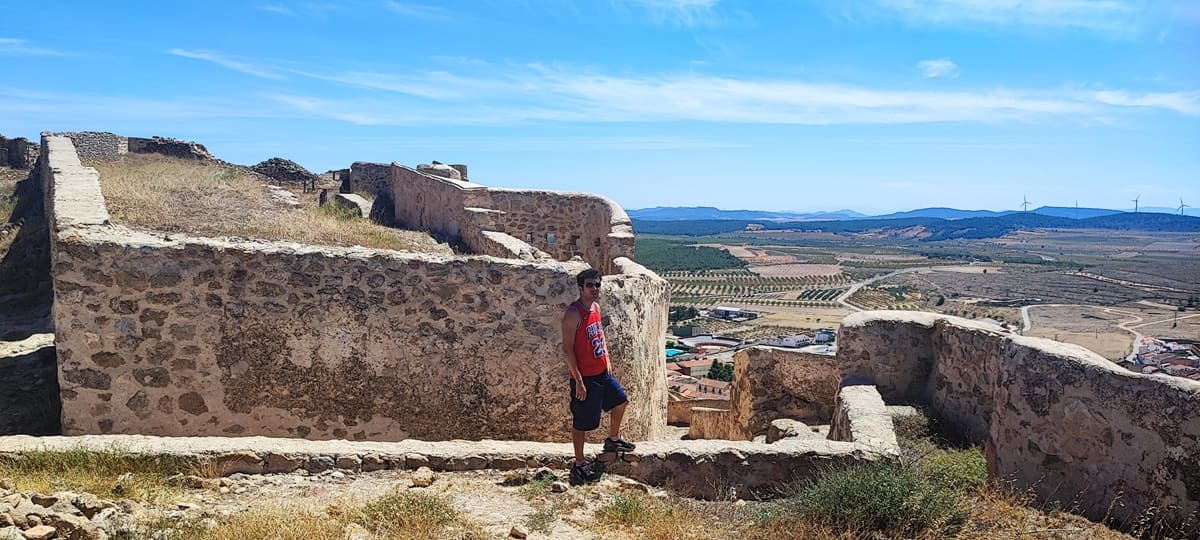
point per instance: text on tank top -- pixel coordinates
(591, 354)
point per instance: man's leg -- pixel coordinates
(577, 439)
(614, 421)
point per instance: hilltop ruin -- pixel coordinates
(175, 335)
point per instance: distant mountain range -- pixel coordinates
(675, 213)
(933, 228)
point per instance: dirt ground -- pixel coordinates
(489, 503)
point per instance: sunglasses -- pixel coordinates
(592, 284)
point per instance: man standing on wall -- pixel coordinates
(593, 388)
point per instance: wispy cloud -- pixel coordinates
(421, 12)
(1120, 16)
(21, 47)
(277, 8)
(939, 67)
(537, 93)
(677, 12)
(483, 93)
(236, 65)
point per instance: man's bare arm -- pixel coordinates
(570, 322)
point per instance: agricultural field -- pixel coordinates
(744, 287)
(793, 279)
(905, 297)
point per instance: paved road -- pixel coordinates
(855, 287)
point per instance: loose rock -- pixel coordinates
(518, 532)
(423, 477)
(40, 532)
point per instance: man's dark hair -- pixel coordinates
(586, 275)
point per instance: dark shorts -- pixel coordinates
(604, 393)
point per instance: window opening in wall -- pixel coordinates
(528, 238)
(596, 242)
(574, 241)
(550, 238)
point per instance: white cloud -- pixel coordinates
(277, 8)
(495, 94)
(243, 67)
(678, 12)
(546, 93)
(419, 11)
(940, 67)
(21, 47)
(1118, 16)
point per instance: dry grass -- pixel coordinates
(644, 517)
(111, 473)
(208, 199)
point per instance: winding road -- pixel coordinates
(854, 288)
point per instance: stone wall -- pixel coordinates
(771, 383)
(1054, 418)
(97, 145)
(18, 153)
(861, 416)
(169, 147)
(561, 224)
(174, 335)
(373, 178)
(680, 411)
(582, 224)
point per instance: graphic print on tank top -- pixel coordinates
(595, 334)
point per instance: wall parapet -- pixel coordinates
(177, 335)
(1053, 417)
(562, 224)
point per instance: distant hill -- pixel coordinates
(675, 213)
(1074, 213)
(943, 213)
(932, 228)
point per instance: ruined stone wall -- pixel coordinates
(1053, 417)
(175, 335)
(169, 147)
(581, 223)
(861, 416)
(433, 204)
(680, 411)
(771, 383)
(18, 153)
(373, 178)
(98, 145)
(590, 226)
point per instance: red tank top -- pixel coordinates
(591, 355)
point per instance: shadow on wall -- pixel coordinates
(29, 394)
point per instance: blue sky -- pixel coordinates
(873, 105)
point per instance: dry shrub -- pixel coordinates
(654, 519)
(112, 473)
(210, 199)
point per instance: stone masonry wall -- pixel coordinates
(771, 383)
(590, 226)
(98, 145)
(173, 335)
(373, 178)
(18, 153)
(1054, 418)
(582, 223)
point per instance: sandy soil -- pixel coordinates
(968, 269)
(1088, 326)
